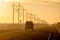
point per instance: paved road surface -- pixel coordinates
(41, 33)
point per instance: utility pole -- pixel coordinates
(30, 17)
(37, 20)
(34, 18)
(13, 13)
(18, 12)
(26, 16)
(23, 15)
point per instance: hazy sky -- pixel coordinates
(48, 10)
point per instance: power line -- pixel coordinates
(51, 2)
(31, 16)
(40, 3)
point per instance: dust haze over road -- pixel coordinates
(17, 32)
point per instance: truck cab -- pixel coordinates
(29, 25)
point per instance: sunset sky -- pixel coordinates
(48, 10)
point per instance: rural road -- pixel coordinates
(39, 33)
